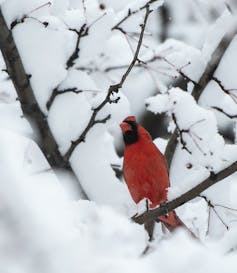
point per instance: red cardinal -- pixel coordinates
(145, 170)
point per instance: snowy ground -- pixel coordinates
(44, 224)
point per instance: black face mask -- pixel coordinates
(131, 136)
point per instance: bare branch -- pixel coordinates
(208, 220)
(223, 112)
(57, 92)
(187, 196)
(212, 207)
(84, 31)
(26, 16)
(140, 63)
(112, 89)
(219, 217)
(225, 90)
(131, 13)
(225, 207)
(180, 133)
(22, 20)
(180, 71)
(190, 133)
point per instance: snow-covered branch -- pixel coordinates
(70, 72)
(152, 215)
(112, 89)
(199, 87)
(29, 105)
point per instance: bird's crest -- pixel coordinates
(130, 118)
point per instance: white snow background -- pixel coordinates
(45, 226)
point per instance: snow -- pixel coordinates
(228, 79)
(47, 68)
(225, 23)
(65, 108)
(109, 190)
(185, 58)
(69, 235)
(45, 225)
(97, 22)
(26, 7)
(74, 18)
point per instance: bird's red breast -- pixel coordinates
(144, 166)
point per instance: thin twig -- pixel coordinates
(225, 207)
(84, 31)
(223, 112)
(179, 70)
(222, 221)
(26, 16)
(57, 92)
(208, 220)
(118, 67)
(130, 13)
(212, 207)
(225, 90)
(191, 134)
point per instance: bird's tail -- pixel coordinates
(171, 221)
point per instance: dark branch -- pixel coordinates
(212, 207)
(223, 112)
(131, 13)
(187, 196)
(57, 92)
(84, 31)
(112, 89)
(194, 137)
(118, 170)
(118, 67)
(225, 90)
(22, 20)
(26, 16)
(180, 133)
(180, 71)
(82, 137)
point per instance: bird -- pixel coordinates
(145, 170)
